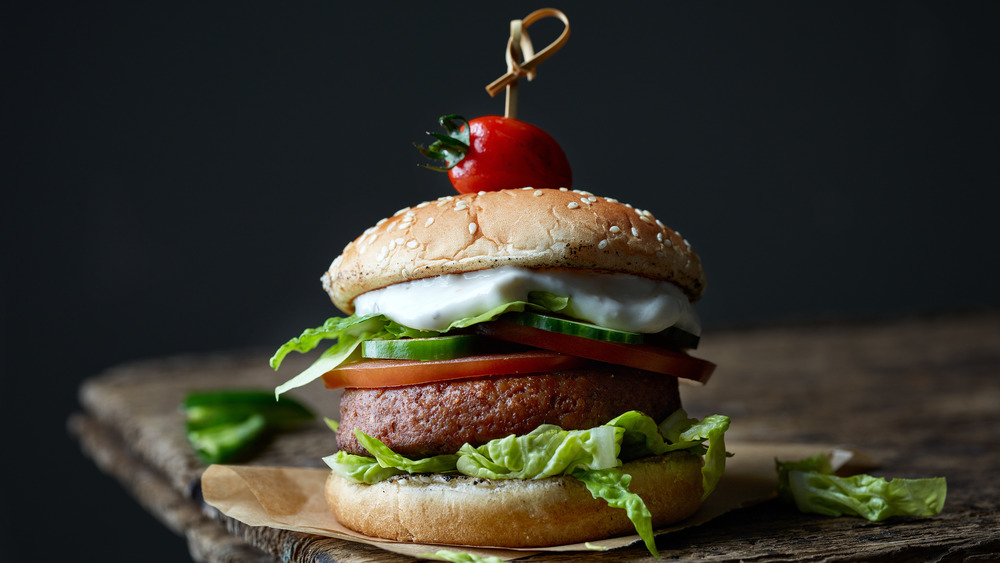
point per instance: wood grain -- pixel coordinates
(921, 394)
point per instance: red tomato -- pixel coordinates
(396, 373)
(639, 356)
(507, 153)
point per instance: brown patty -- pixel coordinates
(438, 418)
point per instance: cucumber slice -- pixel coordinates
(435, 348)
(575, 328)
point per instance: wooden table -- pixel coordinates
(921, 394)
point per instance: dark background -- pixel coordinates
(178, 175)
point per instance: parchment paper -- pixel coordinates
(292, 498)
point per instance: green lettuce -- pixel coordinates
(611, 485)
(458, 557)
(547, 451)
(350, 332)
(643, 437)
(592, 456)
(811, 484)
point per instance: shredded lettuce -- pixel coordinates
(811, 484)
(352, 331)
(544, 452)
(390, 459)
(611, 485)
(360, 469)
(592, 456)
(643, 437)
(458, 557)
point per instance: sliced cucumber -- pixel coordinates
(575, 328)
(435, 348)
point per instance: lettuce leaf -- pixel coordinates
(360, 469)
(592, 456)
(643, 437)
(611, 485)
(352, 331)
(544, 452)
(458, 557)
(810, 483)
(390, 459)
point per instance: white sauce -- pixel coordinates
(618, 301)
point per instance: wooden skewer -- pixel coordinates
(521, 58)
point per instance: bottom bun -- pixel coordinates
(458, 509)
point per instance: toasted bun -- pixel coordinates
(531, 228)
(512, 513)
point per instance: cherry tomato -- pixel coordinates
(639, 356)
(493, 153)
(507, 153)
(396, 373)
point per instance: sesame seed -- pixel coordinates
(629, 205)
(369, 230)
(537, 193)
(667, 243)
(527, 188)
(404, 273)
(382, 253)
(635, 232)
(645, 219)
(564, 189)
(585, 200)
(592, 198)
(660, 224)
(392, 244)
(687, 243)
(614, 229)
(610, 200)
(412, 244)
(572, 205)
(371, 238)
(659, 237)
(380, 221)
(472, 228)
(603, 244)
(429, 221)
(480, 193)
(422, 204)
(400, 212)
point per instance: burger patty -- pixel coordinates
(438, 418)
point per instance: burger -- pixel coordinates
(510, 363)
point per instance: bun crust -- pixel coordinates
(530, 228)
(466, 510)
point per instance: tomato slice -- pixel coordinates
(397, 373)
(639, 356)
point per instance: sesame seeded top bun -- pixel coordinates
(530, 228)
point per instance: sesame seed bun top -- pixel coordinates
(530, 228)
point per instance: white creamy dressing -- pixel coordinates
(618, 301)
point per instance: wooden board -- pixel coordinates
(921, 394)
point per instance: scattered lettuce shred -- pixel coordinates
(592, 456)
(350, 332)
(459, 557)
(812, 486)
